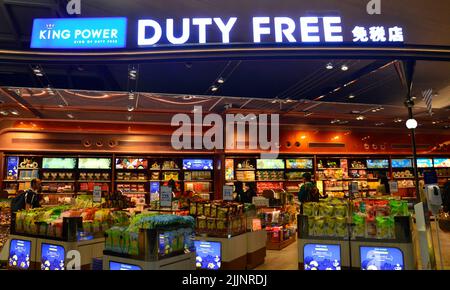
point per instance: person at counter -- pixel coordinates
(239, 191)
(384, 188)
(250, 192)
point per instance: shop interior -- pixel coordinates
(98, 136)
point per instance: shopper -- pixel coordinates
(308, 191)
(239, 191)
(250, 192)
(28, 199)
(384, 188)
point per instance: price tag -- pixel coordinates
(227, 192)
(393, 185)
(166, 196)
(97, 194)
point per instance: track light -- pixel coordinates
(4, 113)
(129, 118)
(329, 66)
(132, 74)
(360, 118)
(187, 98)
(214, 88)
(130, 108)
(37, 70)
(130, 96)
(351, 96)
(220, 80)
(14, 112)
(344, 67)
(70, 116)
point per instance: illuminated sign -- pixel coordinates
(311, 29)
(79, 33)
(373, 258)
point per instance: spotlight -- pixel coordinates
(50, 91)
(214, 88)
(4, 113)
(132, 74)
(130, 108)
(360, 118)
(308, 114)
(187, 98)
(329, 66)
(411, 124)
(344, 67)
(398, 120)
(352, 96)
(128, 118)
(220, 80)
(14, 112)
(70, 116)
(38, 71)
(130, 96)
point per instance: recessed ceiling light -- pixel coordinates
(214, 88)
(4, 113)
(344, 67)
(130, 108)
(329, 66)
(360, 118)
(221, 80)
(14, 112)
(187, 98)
(70, 116)
(352, 96)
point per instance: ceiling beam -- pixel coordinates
(21, 102)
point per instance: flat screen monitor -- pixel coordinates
(12, 167)
(116, 266)
(52, 257)
(94, 163)
(402, 163)
(198, 164)
(381, 258)
(322, 257)
(378, 163)
(424, 163)
(209, 255)
(131, 163)
(442, 162)
(302, 163)
(269, 164)
(58, 163)
(19, 254)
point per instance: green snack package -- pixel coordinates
(309, 208)
(330, 226)
(340, 210)
(311, 224)
(359, 228)
(319, 226)
(341, 227)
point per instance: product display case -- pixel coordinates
(364, 222)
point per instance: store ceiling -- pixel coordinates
(250, 84)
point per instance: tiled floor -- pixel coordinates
(287, 259)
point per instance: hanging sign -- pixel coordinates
(97, 194)
(227, 192)
(166, 196)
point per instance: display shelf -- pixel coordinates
(10, 180)
(281, 245)
(404, 177)
(135, 192)
(95, 181)
(206, 180)
(24, 168)
(319, 169)
(56, 193)
(363, 168)
(57, 181)
(247, 169)
(169, 169)
(140, 181)
(274, 180)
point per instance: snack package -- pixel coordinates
(341, 227)
(200, 208)
(213, 210)
(319, 226)
(201, 223)
(398, 208)
(211, 224)
(330, 228)
(222, 212)
(371, 227)
(340, 210)
(309, 208)
(207, 209)
(359, 228)
(385, 227)
(193, 209)
(222, 224)
(311, 224)
(326, 210)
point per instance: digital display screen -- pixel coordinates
(115, 266)
(198, 164)
(269, 164)
(374, 258)
(322, 257)
(402, 163)
(229, 169)
(441, 162)
(58, 163)
(52, 257)
(209, 255)
(12, 166)
(303, 163)
(424, 163)
(380, 163)
(154, 187)
(19, 254)
(94, 163)
(131, 163)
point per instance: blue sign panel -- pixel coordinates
(198, 164)
(19, 254)
(209, 255)
(322, 257)
(373, 258)
(79, 33)
(115, 266)
(52, 257)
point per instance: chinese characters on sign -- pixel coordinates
(378, 34)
